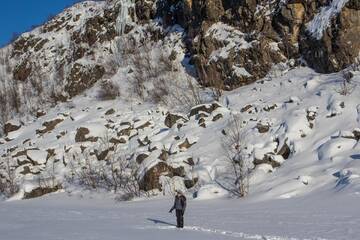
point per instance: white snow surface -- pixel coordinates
(97, 217)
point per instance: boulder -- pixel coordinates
(152, 176)
(208, 108)
(110, 111)
(81, 135)
(263, 128)
(141, 157)
(11, 126)
(172, 118)
(217, 117)
(151, 179)
(49, 126)
(40, 191)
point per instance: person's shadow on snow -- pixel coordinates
(156, 221)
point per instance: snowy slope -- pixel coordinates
(300, 110)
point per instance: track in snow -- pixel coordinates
(240, 235)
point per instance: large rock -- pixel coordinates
(82, 135)
(40, 191)
(11, 126)
(49, 126)
(83, 77)
(172, 118)
(151, 179)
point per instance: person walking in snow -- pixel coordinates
(179, 206)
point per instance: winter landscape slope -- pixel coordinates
(299, 134)
(132, 100)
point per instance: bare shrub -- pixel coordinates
(346, 86)
(233, 145)
(149, 67)
(116, 172)
(85, 172)
(108, 91)
(186, 95)
(47, 178)
(8, 184)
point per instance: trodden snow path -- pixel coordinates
(60, 216)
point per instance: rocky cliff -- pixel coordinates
(230, 43)
(225, 35)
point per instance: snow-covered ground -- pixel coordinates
(310, 193)
(59, 216)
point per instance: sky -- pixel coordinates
(18, 16)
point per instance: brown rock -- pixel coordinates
(81, 135)
(186, 144)
(40, 191)
(110, 111)
(263, 128)
(284, 151)
(171, 119)
(141, 157)
(208, 108)
(151, 178)
(10, 127)
(82, 77)
(49, 126)
(217, 117)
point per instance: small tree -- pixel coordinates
(233, 141)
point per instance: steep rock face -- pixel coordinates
(254, 35)
(339, 45)
(63, 42)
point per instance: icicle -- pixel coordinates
(124, 17)
(321, 21)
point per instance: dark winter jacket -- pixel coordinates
(179, 203)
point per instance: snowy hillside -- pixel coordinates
(299, 136)
(251, 108)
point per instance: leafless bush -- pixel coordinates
(108, 91)
(148, 69)
(116, 172)
(85, 171)
(8, 184)
(346, 86)
(188, 95)
(233, 145)
(47, 178)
